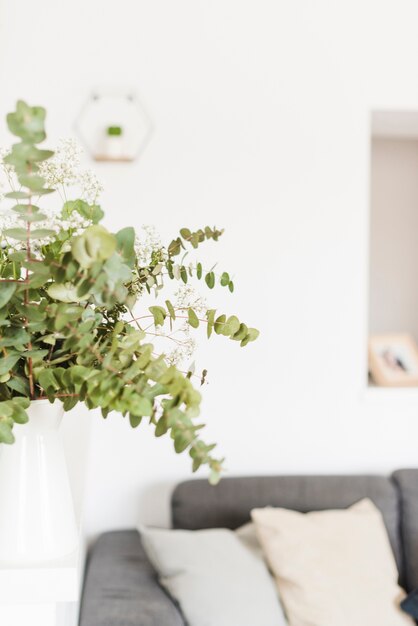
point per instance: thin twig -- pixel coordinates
(26, 297)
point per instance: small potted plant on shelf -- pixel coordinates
(114, 144)
(72, 330)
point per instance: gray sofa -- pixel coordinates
(121, 587)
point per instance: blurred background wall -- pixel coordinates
(262, 126)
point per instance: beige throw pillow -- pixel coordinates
(332, 568)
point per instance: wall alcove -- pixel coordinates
(393, 261)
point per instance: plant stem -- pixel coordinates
(26, 298)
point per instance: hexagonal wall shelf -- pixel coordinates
(114, 126)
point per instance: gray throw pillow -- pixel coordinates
(217, 578)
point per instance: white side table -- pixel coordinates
(48, 595)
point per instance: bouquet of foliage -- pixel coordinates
(68, 292)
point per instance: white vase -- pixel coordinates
(37, 520)
(114, 147)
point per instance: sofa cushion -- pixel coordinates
(217, 578)
(333, 568)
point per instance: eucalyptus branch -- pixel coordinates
(67, 286)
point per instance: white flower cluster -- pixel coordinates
(5, 166)
(77, 223)
(91, 188)
(7, 171)
(7, 220)
(53, 222)
(146, 243)
(182, 352)
(187, 297)
(63, 170)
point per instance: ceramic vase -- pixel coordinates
(37, 519)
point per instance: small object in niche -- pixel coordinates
(393, 360)
(114, 143)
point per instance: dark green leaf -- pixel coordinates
(175, 247)
(27, 122)
(135, 420)
(183, 274)
(19, 384)
(90, 211)
(251, 335)
(193, 319)
(32, 181)
(36, 355)
(170, 309)
(7, 362)
(241, 333)
(220, 324)
(22, 235)
(47, 380)
(18, 195)
(6, 435)
(210, 280)
(6, 292)
(125, 245)
(139, 405)
(70, 402)
(233, 324)
(162, 426)
(186, 234)
(210, 315)
(41, 233)
(19, 414)
(225, 279)
(181, 442)
(95, 244)
(16, 233)
(159, 315)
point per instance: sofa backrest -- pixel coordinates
(196, 504)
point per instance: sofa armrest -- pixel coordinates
(121, 587)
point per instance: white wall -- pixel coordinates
(261, 111)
